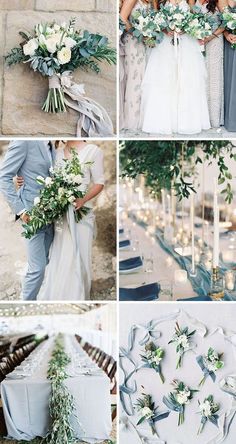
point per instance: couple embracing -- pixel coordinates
(62, 249)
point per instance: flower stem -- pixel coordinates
(161, 377)
(200, 428)
(202, 381)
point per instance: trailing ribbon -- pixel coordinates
(206, 372)
(150, 330)
(202, 282)
(227, 385)
(93, 118)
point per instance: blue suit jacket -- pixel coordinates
(27, 158)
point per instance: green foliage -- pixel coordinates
(15, 56)
(91, 49)
(161, 163)
(56, 196)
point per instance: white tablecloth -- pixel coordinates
(163, 269)
(25, 402)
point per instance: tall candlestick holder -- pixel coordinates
(217, 285)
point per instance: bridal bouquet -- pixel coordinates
(179, 398)
(182, 339)
(176, 17)
(208, 410)
(200, 25)
(229, 22)
(153, 357)
(55, 51)
(148, 412)
(210, 364)
(148, 26)
(59, 191)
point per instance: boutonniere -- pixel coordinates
(210, 364)
(208, 410)
(182, 339)
(153, 357)
(179, 398)
(148, 411)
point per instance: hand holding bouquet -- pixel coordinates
(229, 22)
(55, 50)
(148, 26)
(59, 191)
(200, 25)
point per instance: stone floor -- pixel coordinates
(213, 133)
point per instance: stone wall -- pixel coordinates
(12, 248)
(22, 92)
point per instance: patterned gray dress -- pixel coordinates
(134, 68)
(214, 64)
(230, 84)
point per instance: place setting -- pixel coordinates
(58, 381)
(177, 221)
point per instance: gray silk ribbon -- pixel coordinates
(227, 385)
(205, 371)
(202, 282)
(93, 118)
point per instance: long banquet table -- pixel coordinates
(164, 266)
(26, 399)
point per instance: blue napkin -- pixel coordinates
(121, 230)
(197, 299)
(145, 293)
(129, 264)
(124, 243)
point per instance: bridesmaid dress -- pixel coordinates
(134, 68)
(215, 73)
(230, 83)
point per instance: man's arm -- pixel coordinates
(14, 159)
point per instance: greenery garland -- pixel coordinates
(161, 163)
(61, 404)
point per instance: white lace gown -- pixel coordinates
(174, 88)
(69, 272)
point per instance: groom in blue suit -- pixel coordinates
(30, 159)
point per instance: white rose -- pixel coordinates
(77, 179)
(69, 42)
(205, 408)
(63, 25)
(48, 181)
(178, 16)
(71, 199)
(64, 56)
(36, 200)
(56, 27)
(182, 398)
(147, 412)
(61, 191)
(51, 43)
(30, 47)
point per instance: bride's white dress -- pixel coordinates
(68, 275)
(174, 88)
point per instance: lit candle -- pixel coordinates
(163, 206)
(173, 206)
(216, 228)
(168, 208)
(207, 232)
(192, 231)
(229, 280)
(181, 276)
